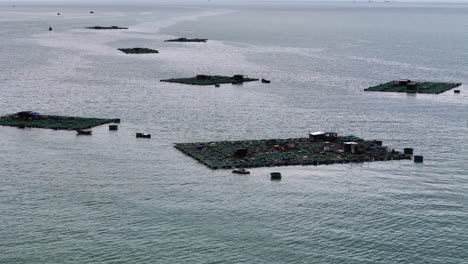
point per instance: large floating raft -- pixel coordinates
(318, 149)
(408, 86)
(212, 80)
(110, 27)
(32, 119)
(138, 51)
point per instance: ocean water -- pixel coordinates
(112, 198)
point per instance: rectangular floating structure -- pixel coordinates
(286, 152)
(407, 86)
(110, 27)
(186, 40)
(138, 51)
(212, 80)
(36, 120)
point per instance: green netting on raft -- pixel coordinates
(53, 122)
(209, 80)
(284, 152)
(416, 87)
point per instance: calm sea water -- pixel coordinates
(112, 198)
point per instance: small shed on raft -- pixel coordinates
(351, 147)
(323, 136)
(28, 115)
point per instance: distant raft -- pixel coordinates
(33, 119)
(186, 40)
(212, 80)
(408, 86)
(138, 51)
(110, 27)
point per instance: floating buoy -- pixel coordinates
(91, 12)
(113, 127)
(217, 85)
(50, 28)
(418, 159)
(58, 14)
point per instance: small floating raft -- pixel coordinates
(212, 79)
(110, 27)
(138, 50)
(408, 86)
(186, 40)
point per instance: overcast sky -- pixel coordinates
(201, 1)
(140, 2)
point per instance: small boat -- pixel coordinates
(265, 81)
(275, 176)
(83, 132)
(143, 135)
(241, 171)
(217, 85)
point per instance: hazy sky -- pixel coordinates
(139, 2)
(226, 1)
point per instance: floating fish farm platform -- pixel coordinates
(110, 27)
(408, 86)
(288, 152)
(138, 51)
(36, 120)
(212, 80)
(186, 40)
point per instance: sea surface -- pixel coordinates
(113, 198)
